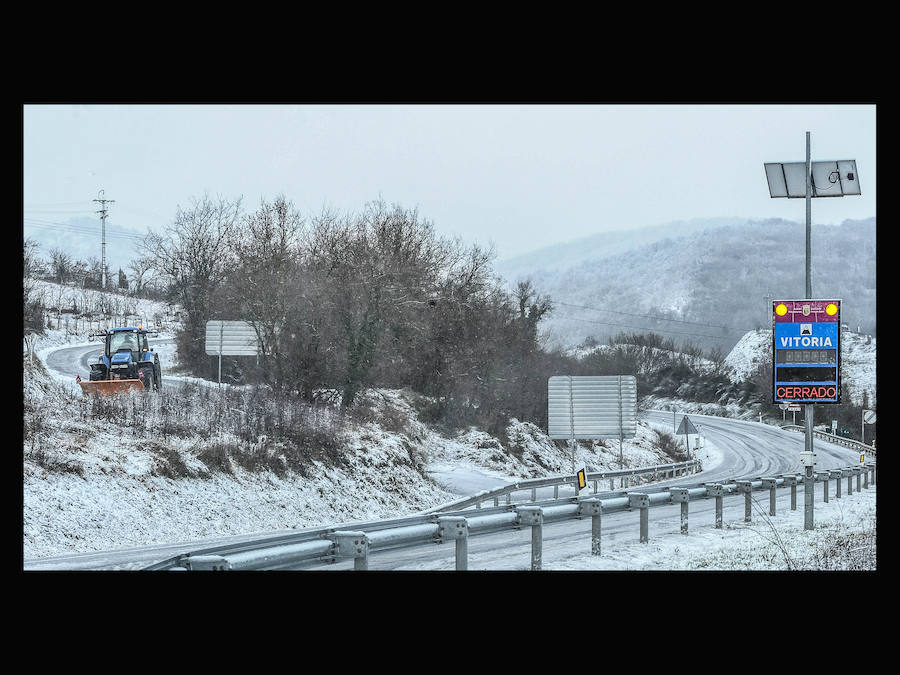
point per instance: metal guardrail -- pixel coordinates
(357, 540)
(664, 470)
(831, 438)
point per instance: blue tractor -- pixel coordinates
(127, 363)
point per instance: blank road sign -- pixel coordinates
(592, 406)
(231, 338)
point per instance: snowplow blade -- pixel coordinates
(110, 387)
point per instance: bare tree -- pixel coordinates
(193, 255)
(33, 300)
(263, 283)
(139, 268)
(61, 265)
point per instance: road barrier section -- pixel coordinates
(357, 541)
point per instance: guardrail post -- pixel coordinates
(456, 527)
(556, 491)
(824, 476)
(595, 486)
(858, 473)
(534, 494)
(533, 516)
(681, 496)
(352, 544)
(746, 487)
(594, 509)
(837, 483)
(611, 485)
(849, 474)
(874, 472)
(496, 500)
(716, 490)
(792, 481)
(865, 476)
(641, 501)
(771, 484)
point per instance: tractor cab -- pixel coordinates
(127, 362)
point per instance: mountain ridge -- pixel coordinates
(710, 286)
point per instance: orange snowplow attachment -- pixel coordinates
(110, 387)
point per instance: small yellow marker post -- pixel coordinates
(581, 479)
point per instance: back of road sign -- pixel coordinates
(592, 406)
(686, 427)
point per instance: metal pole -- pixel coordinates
(221, 326)
(572, 424)
(621, 457)
(808, 480)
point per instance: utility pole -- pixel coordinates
(102, 212)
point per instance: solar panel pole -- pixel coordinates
(808, 479)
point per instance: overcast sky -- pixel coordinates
(518, 176)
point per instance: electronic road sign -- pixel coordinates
(806, 351)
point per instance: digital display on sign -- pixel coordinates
(806, 350)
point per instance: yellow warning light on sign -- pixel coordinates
(862, 459)
(582, 480)
(831, 309)
(781, 309)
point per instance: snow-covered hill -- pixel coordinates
(709, 287)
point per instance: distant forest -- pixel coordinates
(711, 287)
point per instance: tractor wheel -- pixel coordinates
(149, 379)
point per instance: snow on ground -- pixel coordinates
(779, 543)
(748, 354)
(90, 486)
(842, 527)
(730, 409)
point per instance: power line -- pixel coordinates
(83, 202)
(59, 211)
(77, 229)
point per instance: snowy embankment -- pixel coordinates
(91, 484)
